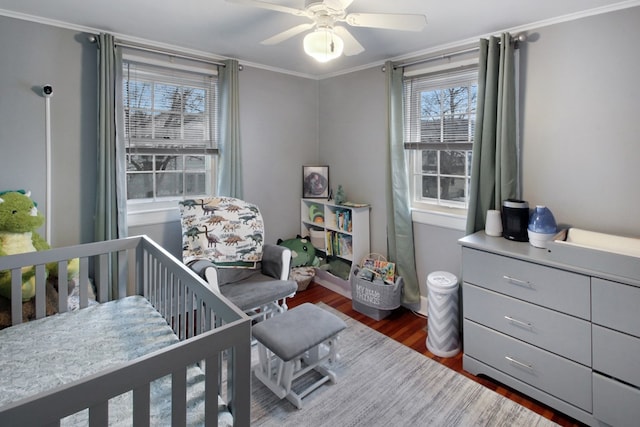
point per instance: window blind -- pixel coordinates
(169, 109)
(440, 109)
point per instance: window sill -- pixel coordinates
(136, 218)
(453, 221)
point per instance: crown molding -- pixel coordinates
(410, 56)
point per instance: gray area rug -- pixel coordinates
(384, 383)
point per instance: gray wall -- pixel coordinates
(279, 128)
(579, 108)
(32, 55)
(579, 105)
(580, 127)
(353, 142)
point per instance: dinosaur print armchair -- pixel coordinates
(223, 241)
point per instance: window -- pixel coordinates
(440, 114)
(170, 134)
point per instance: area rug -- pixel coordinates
(384, 383)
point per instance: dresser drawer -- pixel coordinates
(548, 372)
(616, 354)
(536, 325)
(616, 306)
(557, 289)
(615, 403)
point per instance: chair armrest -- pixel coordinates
(276, 261)
(207, 270)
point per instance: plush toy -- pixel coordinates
(19, 218)
(302, 251)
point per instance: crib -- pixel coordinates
(168, 351)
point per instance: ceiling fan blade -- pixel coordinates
(338, 4)
(389, 21)
(271, 6)
(351, 45)
(287, 34)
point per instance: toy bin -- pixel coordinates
(375, 298)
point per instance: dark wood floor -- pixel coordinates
(410, 329)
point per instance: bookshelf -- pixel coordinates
(336, 230)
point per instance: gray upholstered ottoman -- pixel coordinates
(294, 343)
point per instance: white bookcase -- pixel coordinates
(338, 230)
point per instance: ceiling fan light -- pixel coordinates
(323, 45)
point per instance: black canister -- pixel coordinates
(515, 219)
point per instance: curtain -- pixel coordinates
(494, 170)
(111, 203)
(230, 160)
(399, 224)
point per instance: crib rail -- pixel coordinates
(210, 329)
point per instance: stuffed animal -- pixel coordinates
(19, 220)
(302, 251)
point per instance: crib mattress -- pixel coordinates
(49, 352)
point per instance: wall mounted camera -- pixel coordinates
(47, 91)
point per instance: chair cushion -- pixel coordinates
(295, 331)
(257, 290)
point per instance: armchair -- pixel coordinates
(223, 242)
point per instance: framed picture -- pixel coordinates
(315, 182)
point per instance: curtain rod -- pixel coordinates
(515, 39)
(94, 39)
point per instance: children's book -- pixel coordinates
(383, 269)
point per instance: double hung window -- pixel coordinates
(170, 133)
(440, 114)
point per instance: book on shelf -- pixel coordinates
(381, 268)
(343, 219)
(339, 244)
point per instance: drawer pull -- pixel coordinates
(519, 322)
(518, 282)
(520, 364)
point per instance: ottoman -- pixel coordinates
(294, 343)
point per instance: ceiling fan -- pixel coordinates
(327, 40)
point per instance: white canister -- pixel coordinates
(493, 224)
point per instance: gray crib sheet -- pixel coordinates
(49, 352)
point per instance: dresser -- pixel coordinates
(561, 334)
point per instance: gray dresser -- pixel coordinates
(563, 335)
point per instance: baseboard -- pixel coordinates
(423, 305)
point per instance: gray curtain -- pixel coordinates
(494, 171)
(399, 224)
(111, 201)
(230, 160)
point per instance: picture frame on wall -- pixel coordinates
(315, 182)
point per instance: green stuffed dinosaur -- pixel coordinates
(19, 218)
(302, 252)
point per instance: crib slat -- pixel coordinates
(99, 415)
(141, 406)
(40, 291)
(179, 397)
(102, 270)
(16, 302)
(211, 391)
(63, 286)
(122, 275)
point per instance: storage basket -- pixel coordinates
(375, 298)
(317, 238)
